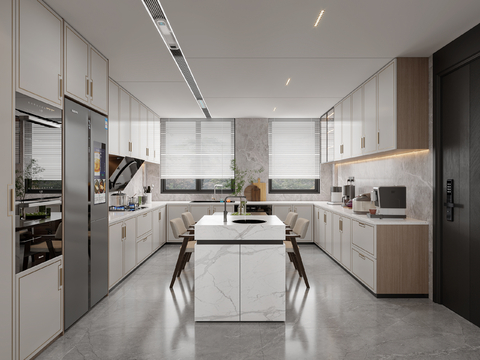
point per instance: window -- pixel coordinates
(294, 155)
(196, 154)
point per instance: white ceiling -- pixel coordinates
(242, 52)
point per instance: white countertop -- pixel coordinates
(115, 217)
(212, 227)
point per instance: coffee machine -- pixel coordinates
(348, 192)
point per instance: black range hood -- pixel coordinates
(122, 170)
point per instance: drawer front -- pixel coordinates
(144, 248)
(364, 268)
(363, 237)
(144, 223)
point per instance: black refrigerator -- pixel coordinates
(85, 210)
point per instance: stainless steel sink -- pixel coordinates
(249, 221)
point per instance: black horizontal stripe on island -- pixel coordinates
(241, 242)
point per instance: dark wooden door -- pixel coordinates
(460, 145)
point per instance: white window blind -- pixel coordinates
(294, 148)
(44, 144)
(197, 148)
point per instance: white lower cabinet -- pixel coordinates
(303, 211)
(115, 253)
(346, 242)
(328, 237)
(316, 219)
(144, 248)
(144, 223)
(174, 211)
(129, 257)
(363, 237)
(39, 311)
(337, 237)
(364, 268)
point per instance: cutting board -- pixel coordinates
(250, 192)
(263, 190)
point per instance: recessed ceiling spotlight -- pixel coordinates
(288, 82)
(274, 108)
(319, 17)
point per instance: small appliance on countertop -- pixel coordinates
(335, 195)
(390, 201)
(348, 192)
(362, 204)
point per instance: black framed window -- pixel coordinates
(294, 186)
(182, 186)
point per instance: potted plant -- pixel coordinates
(239, 180)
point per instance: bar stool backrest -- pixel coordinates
(291, 219)
(178, 227)
(188, 219)
(301, 227)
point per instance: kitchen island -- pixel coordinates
(239, 269)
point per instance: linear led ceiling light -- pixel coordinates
(155, 10)
(288, 82)
(319, 17)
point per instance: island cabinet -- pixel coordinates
(303, 211)
(86, 72)
(198, 210)
(39, 68)
(39, 315)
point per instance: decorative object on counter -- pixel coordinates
(372, 211)
(236, 214)
(362, 204)
(263, 190)
(35, 216)
(242, 176)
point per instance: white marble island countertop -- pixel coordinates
(211, 228)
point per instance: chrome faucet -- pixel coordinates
(225, 205)
(215, 190)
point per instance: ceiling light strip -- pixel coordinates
(288, 82)
(155, 10)
(319, 17)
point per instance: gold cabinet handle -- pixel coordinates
(87, 85)
(60, 86)
(145, 214)
(361, 224)
(325, 218)
(159, 216)
(12, 200)
(60, 278)
(91, 89)
(361, 256)
(340, 225)
(378, 138)
(318, 215)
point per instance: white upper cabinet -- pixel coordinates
(156, 153)
(343, 132)
(151, 137)
(124, 124)
(76, 66)
(98, 81)
(143, 132)
(357, 122)
(39, 69)
(113, 119)
(387, 108)
(135, 149)
(86, 72)
(370, 122)
(389, 112)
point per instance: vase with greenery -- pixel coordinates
(241, 177)
(30, 172)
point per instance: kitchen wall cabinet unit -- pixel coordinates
(134, 130)
(198, 211)
(388, 113)
(39, 314)
(388, 257)
(342, 129)
(132, 240)
(303, 211)
(327, 136)
(39, 68)
(113, 118)
(86, 72)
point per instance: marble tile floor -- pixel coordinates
(336, 319)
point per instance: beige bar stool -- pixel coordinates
(188, 246)
(291, 246)
(291, 220)
(189, 221)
